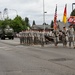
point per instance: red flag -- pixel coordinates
(55, 19)
(71, 19)
(65, 14)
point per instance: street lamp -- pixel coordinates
(44, 14)
(44, 17)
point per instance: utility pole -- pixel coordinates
(44, 14)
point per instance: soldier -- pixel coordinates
(39, 37)
(71, 35)
(35, 35)
(60, 35)
(47, 35)
(32, 39)
(25, 37)
(20, 34)
(56, 37)
(28, 38)
(42, 38)
(64, 35)
(21, 37)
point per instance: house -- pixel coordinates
(41, 27)
(48, 27)
(61, 25)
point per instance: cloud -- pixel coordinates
(26, 1)
(33, 9)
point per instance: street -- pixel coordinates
(16, 59)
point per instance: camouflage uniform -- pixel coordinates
(42, 38)
(64, 40)
(21, 38)
(71, 36)
(56, 37)
(25, 37)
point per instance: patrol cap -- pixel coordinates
(64, 27)
(71, 25)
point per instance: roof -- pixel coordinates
(41, 27)
(61, 25)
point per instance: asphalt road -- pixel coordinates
(16, 59)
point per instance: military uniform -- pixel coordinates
(64, 40)
(21, 38)
(25, 38)
(42, 38)
(71, 36)
(56, 37)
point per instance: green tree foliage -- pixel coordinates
(33, 23)
(27, 24)
(52, 24)
(18, 24)
(72, 13)
(4, 23)
(1, 21)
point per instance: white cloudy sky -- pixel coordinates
(33, 9)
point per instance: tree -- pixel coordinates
(27, 25)
(4, 23)
(34, 23)
(72, 13)
(17, 24)
(52, 24)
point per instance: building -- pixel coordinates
(61, 25)
(41, 27)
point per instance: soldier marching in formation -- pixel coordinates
(64, 36)
(34, 37)
(71, 35)
(30, 37)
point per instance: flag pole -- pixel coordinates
(55, 19)
(44, 15)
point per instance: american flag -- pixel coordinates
(55, 18)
